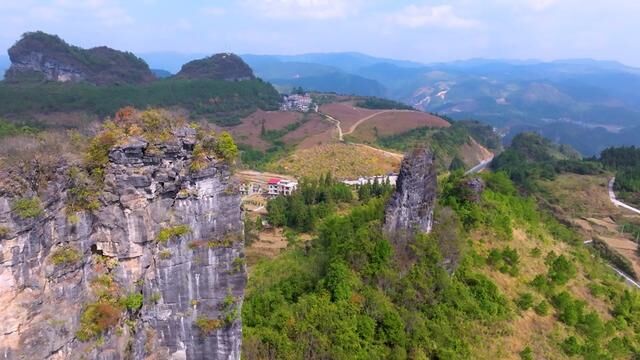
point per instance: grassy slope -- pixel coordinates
(603, 326)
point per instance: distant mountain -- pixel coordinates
(585, 96)
(224, 66)
(38, 57)
(170, 61)
(161, 74)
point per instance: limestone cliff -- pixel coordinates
(39, 56)
(410, 209)
(154, 271)
(225, 66)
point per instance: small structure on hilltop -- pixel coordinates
(298, 102)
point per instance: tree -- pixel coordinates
(226, 148)
(457, 164)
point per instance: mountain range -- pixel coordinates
(568, 100)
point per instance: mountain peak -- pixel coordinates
(39, 56)
(222, 66)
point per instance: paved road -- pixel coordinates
(481, 166)
(616, 202)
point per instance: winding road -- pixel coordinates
(353, 127)
(615, 201)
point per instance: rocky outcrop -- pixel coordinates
(410, 209)
(42, 57)
(225, 66)
(192, 281)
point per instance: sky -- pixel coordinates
(425, 31)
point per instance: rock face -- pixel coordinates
(225, 66)
(410, 209)
(195, 278)
(42, 57)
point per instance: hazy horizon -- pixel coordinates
(422, 31)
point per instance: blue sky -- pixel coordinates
(425, 31)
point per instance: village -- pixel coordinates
(267, 185)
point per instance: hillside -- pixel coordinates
(568, 101)
(227, 67)
(498, 277)
(38, 57)
(219, 101)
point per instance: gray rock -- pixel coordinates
(410, 209)
(43, 302)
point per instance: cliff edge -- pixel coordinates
(151, 265)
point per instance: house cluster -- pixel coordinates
(391, 178)
(274, 187)
(296, 102)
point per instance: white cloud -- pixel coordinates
(213, 11)
(304, 9)
(540, 5)
(416, 16)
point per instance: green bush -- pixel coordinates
(96, 319)
(65, 255)
(525, 301)
(526, 354)
(133, 301)
(208, 326)
(505, 260)
(172, 232)
(27, 207)
(561, 270)
(542, 308)
(571, 346)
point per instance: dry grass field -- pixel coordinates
(343, 160)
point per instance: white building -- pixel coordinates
(277, 186)
(391, 178)
(295, 102)
(250, 188)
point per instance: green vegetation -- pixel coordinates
(314, 200)
(350, 294)
(625, 161)
(96, 319)
(65, 255)
(133, 301)
(10, 129)
(382, 104)
(532, 157)
(505, 260)
(172, 232)
(27, 208)
(222, 102)
(208, 326)
(445, 142)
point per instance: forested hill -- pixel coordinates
(38, 57)
(498, 277)
(49, 76)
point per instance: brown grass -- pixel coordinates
(392, 123)
(343, 160)
(346, 112)
(249, 130)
